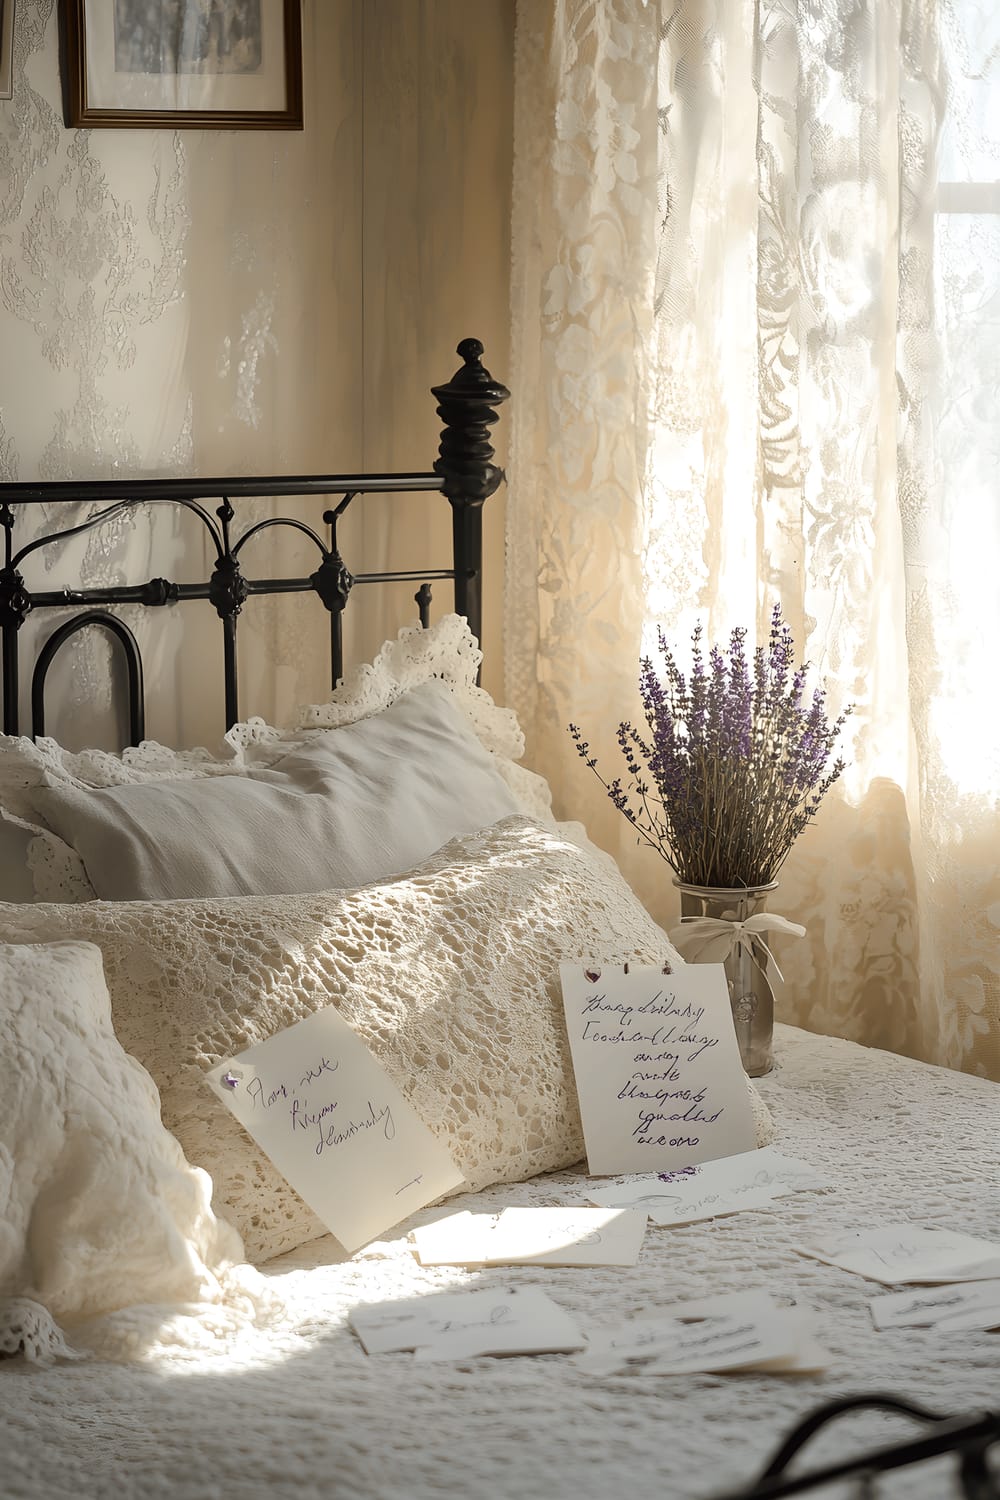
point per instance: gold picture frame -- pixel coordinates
(201, 64)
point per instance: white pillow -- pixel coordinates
(340, 809)
(445, 653)
(449, 974)
(37, 865)
(99, 1209)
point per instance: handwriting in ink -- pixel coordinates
(265, 1097)
(414, 1181)
(635, 1089)
(323, 1066)
(500, 1314)
(303, 1117)
(338, 1135)
(649, 1119)
(659, 1036)
(926, 1303)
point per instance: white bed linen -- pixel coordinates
(304, 1412)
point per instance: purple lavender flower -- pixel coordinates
(734, 764)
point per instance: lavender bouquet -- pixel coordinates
(735, 764)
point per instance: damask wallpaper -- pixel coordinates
(207, 301)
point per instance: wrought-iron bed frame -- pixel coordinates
(464, 473)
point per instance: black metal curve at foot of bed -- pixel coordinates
(969, 1438)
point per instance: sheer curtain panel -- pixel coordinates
(755, 307)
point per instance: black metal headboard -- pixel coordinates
(464, 473)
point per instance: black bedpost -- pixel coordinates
(228, 590)
(15, 603)
(465, 462)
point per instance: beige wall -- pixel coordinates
(438, 135)
(231, 301)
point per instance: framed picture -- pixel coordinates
(6, 49)
(231, 64)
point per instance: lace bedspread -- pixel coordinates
(302, 1411)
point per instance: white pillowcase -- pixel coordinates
(99, 1209)
(449, 974)
(340, 809)
(446, 653)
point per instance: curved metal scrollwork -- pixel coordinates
(121, 507)
(133, 669)
(289, 521)
(464, 473)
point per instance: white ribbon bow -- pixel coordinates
(712, 939)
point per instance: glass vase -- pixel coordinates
(750, 992)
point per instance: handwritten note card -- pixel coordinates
(566, 1237)
(336, 1127)
(901, 1253)
(533, 1236)
(459, 1325)
(657, 1066)
(453, 1240)
(956, 1307)
(754, 1179)
(737, 1331)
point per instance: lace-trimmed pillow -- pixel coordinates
(346, 807)
(37, 865)
(446, 652)
(449, 974)
(99, 1211)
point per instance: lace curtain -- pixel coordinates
(755, 347)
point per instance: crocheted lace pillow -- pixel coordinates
(98, 1208)
(450, 974)
(446, 653)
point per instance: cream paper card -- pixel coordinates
(533, 1236)
(336, 1127)
(970, 1305)
(754, 1179)
(459, 1325)
(657, 1065)
(454, 1240)
(566, 1237)
(900, 1253)
(736, 1331)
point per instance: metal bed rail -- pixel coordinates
(464, 473)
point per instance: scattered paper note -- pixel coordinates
(737, 1331)
(969, 1305)
(566, 1237)
(533, 1236)
(901, 1253)
(754, 1179)
(657, 1066)
(453, 1240)
(460, 1325)
(336, 1127)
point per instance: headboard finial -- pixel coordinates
(473, 379)
(465, 405)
